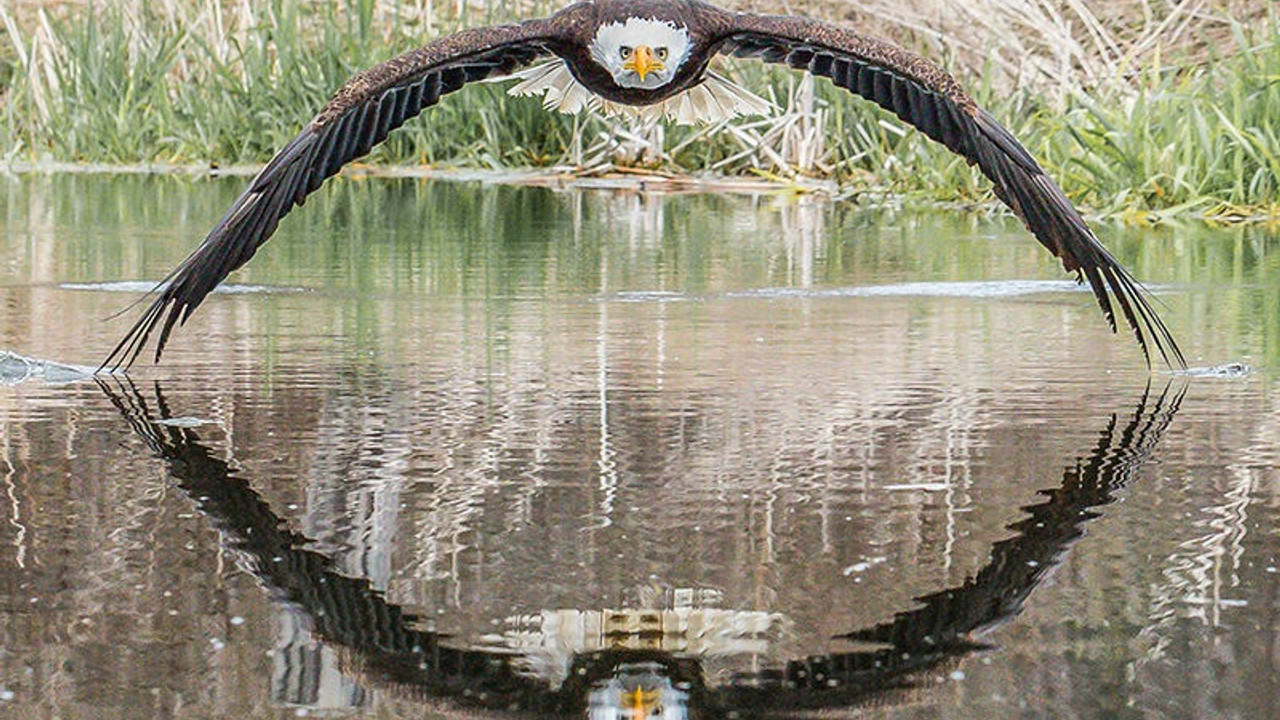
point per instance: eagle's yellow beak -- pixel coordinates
(642, 61)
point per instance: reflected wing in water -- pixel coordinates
(943, 628)
(345, 612)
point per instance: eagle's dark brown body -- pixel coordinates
(380, 99)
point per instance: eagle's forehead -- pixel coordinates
(642, 31)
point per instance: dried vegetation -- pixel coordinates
(1152, 108)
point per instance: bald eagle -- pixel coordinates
(644, 56)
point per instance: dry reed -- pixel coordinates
(1137, 105)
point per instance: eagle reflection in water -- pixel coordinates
(640, 669)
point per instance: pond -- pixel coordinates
(453, 448)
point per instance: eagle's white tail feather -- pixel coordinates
(715, 99)
(562, 91)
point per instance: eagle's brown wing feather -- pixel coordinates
(367, 107)
(924, 95)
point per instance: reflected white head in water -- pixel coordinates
(614, 54)
(639, 691)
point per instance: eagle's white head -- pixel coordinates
(642, 52)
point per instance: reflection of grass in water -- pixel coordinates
(392, 245)
(387, 254)
(194, 82)
(465, 240)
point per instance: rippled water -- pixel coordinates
(452, 449)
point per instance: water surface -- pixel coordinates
(458, 449)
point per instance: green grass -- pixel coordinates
(187, 82)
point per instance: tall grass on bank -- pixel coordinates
(210, 81)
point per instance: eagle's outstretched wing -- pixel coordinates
(924, 95)
(370, 105)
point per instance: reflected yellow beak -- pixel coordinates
(637, 698)
(639, 702)
(642, 62)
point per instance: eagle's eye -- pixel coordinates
(625, 52)
(660, 53)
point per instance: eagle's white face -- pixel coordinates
(641, 53)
